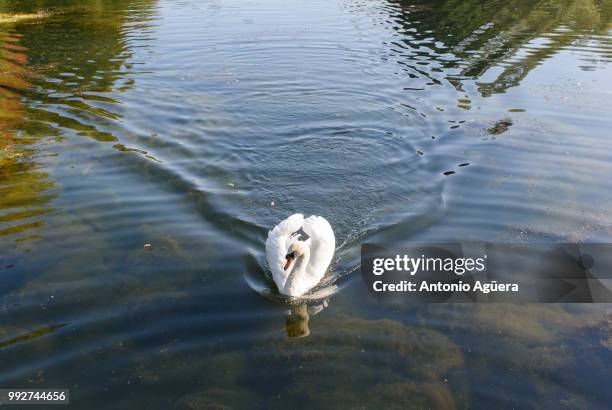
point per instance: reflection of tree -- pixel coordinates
(469, 37)
(83, 52)
(22, 185)
(77, 62)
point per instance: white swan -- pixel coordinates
(299, 252)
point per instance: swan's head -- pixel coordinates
(296, 250)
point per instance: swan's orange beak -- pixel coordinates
(290, 257)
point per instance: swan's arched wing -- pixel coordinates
(277, 245)
(323, 244)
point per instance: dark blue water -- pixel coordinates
(146, 147)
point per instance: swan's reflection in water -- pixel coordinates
(298, 310)
(297, 318)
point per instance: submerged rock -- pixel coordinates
(220, 370)
(199, 401)
(159, 254)
(358, 363)
(400, 396)
(212, 399)
(350, 363)
(530, 324)
(419, 351)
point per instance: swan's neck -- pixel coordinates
(301, 263)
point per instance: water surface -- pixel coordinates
(146, 147)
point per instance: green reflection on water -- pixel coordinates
(481, 36)
(60, 74)
(24, 195)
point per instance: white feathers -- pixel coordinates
(310, 265)
(277, 245)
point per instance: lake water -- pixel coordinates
(146, 147)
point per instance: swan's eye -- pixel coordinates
(289, 258)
